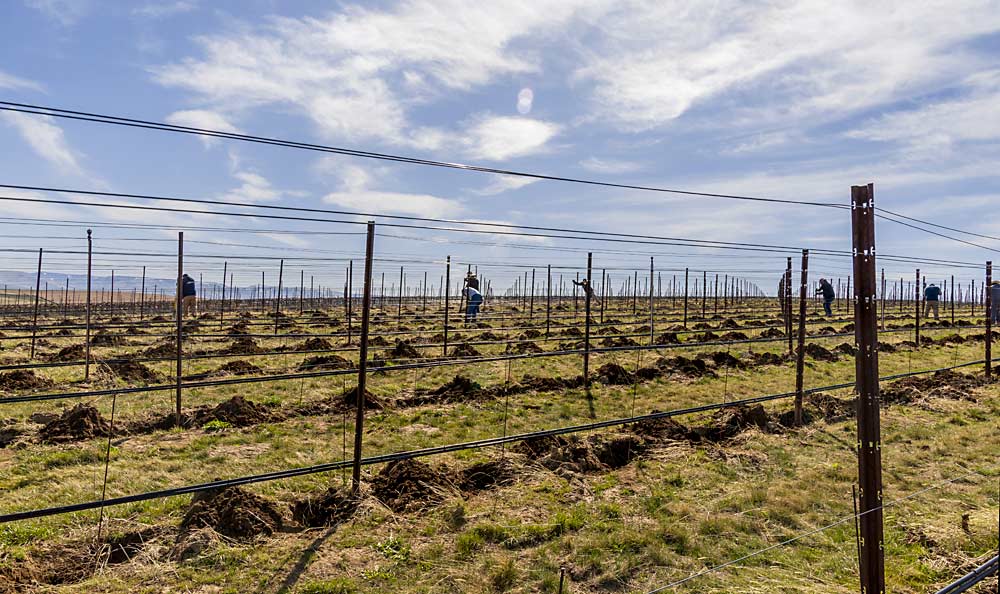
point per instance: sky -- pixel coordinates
(793, 99)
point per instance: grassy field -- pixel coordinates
(674, 508)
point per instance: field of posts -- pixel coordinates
(489, 464)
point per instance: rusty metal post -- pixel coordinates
(531, 299)
(34, 322)
(716, 296)
(872, 561)
(142, 294)
(302, 287)
(277, 302)
(588, 291)
(882, 300)
(359, 419)
(916, 299)
(635, 291)
(90, 256)
(222, 301)
(989, 319)
(788, 306)
(800, 356)
(399, 301)
(447, 290)
(349, 301)
(548, 300)
(704, 293)
(685, 298)
(952, 299)
(651, 306)
(180, 325)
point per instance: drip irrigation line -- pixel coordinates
(435, 450)
(972, 578)
(840, 521)
(161, 126)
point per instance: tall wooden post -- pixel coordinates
(180, 326)
(788, 305)
(34, 321)
(447, 290)
(548, 300)
(989, 319)
(359, 419)
(952, 299)
(872, 561)
(586, 326)
(916, 299)
(222, 302)
(277, 301)
(652, 322)
(801, 354)
(882, 300)
(90, 256)
(704, 293)
(686, 271)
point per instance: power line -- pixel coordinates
(153, 125)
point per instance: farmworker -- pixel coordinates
(585, 285)
(995, 301)
(475, 299)
(828, 295)
(932, 295)
(188, 301)
(471, 281)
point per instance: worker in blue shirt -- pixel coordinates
(475, 300)
(828, 295)
(932, 296)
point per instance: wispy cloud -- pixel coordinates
(47, 140)
(159, 10)
(498, 138)
(503, 183)
(357, 192)
(9, 81)
(202, 118)
(610, 166)
(65, 12)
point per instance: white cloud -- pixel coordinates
(357, 73)
(66, 12)
(525, 99)
(159, 10)
(371, 201)
(934, 128)
(503, 183)
(9, 81)
(203, 118)
(355, 192)
(791, 59)
(497, 138)
(46, 139)
(610, 166)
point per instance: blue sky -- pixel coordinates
(794, 99)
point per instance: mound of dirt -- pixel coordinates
(238, 329)
(604, 330)
(530, 334)
(549, 384)
(243, 345)
(831, 408)
(769, 359)
(410, 485)
(887, 347)
(668, 338)
(372, 402)
(238, 367)
(486, 475)
(730, 422)
(735, 336)
(952, 339)
(403, 350)
(325, 362)
(315, 344)
(80, 422)
(702, 326)
(772, 333)
(104, 338)
(162, 350)
(619, 341)
(943, 384)
(824, 331)
(846, 348)
(68, 332)
(522, 348)
(489, 336)
(233, 512)
(820, 353)
(536, 447)
(74, 352)
(377, 341)
(130, 370)
(236, 411)
(331, 508)
(729, 323)
(705, 337)
(723, 359)
(574, 331)
(464, 350)
(615, 375)
(660, 429)
(596, 453)
(23, 379)
(693, 368)
(8, 433)
(158, 319)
